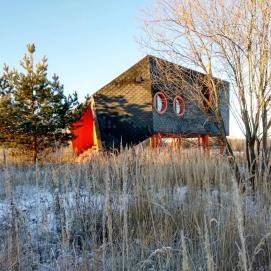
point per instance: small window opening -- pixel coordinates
(160, 102)
(179, 106)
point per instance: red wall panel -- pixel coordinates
(83, 132)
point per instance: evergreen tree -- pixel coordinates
(34, 112)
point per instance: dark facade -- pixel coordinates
(124, 112)
(124, 107)
(193, 121)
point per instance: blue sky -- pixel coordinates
(87, 42)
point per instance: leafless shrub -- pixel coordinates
(219, 38)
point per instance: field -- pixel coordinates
(142, 209)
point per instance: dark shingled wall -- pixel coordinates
(124, 107)
(125, 114)
(193, 121)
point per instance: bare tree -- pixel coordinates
(221, 38)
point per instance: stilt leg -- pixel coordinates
(155, 140)
(159, 140)
(205, 143)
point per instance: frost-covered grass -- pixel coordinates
(140, 210)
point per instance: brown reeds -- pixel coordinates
(140, 209)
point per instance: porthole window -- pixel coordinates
(179, 106)
(160, 102)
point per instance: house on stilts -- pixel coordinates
(136, 106)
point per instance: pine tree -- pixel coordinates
(34, 112)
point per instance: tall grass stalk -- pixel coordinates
(185, 260)
(240, 225)
(140, 209)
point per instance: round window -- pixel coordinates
(160, 102)
(179, 106)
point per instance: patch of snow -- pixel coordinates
(180, 192)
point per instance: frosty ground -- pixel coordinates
(139, 210)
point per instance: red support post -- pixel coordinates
(205, 143)
(159, 139)
(156, 140)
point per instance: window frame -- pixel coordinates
(182, 104)
(164, 102)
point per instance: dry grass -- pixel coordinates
(140, 210)
(14, 157)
